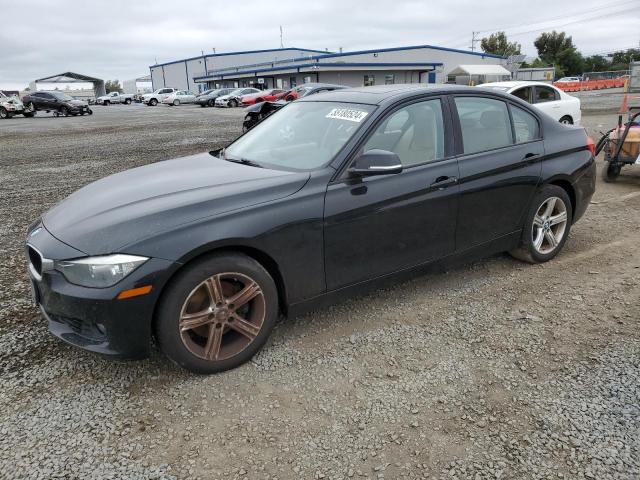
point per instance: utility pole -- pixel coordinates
(474, 40)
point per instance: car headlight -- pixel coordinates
(98, 272)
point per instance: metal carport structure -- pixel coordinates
(70, 77)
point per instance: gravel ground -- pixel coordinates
(496, 369)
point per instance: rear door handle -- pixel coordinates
(531, 157)
(443, 182)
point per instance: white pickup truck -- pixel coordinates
(158, 96)
(115, 97)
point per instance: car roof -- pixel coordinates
(379, 94)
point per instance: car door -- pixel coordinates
(377, 225)
(547, 100)
(189, 97)
(43, 100)
(500, 167)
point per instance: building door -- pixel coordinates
(432, 77)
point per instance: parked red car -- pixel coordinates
(270, 95)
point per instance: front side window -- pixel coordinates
(523, 94)
(415, 133)
(545, 94)
(369, 80)
(301, 135)
(484, 123)
(525, 125)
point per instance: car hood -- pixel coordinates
(113, 212)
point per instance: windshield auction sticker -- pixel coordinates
(347, 114)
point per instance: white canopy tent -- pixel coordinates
(476, 74)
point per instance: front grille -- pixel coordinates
(35, 259)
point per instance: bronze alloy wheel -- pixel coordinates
(222, 316)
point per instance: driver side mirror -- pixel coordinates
(376, 162)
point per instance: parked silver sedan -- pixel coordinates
(180, 97)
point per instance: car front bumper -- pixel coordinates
(94, 318)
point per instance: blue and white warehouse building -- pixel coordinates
(288, 67)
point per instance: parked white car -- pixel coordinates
(156, 97)
(569, 80)
(115, 97)
(233, 98)
(546, 98)
(180, 97)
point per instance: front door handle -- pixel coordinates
(443, 182)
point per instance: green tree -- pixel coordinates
(112, 86)
(596, 63)
(498, 44)
(557, 48)
(621, 60)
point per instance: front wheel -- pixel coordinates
(64, 111)
(211, 103)
(3, 113)
(546, 227)
(30, 108)
(217, 313)
(611, 172)
(127, 101)
(233, 103)
(153, 102)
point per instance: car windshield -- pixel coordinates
(302, 91)
(300, 136)
(61, 96)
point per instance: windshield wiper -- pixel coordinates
(243, 161)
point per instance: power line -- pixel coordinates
(611, 14)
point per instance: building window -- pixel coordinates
(279, 83)
(369, 80)
(389, 79)
(244, 83)
(293, 82)
(307, 79)
(235, 85)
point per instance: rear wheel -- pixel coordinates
(64, 111)
(106, 103)
(546, 227)
(176, 103)
(127, 101)
(217, 313)
(289, 98)
(611, 172)
(211, 103)
(567, 120)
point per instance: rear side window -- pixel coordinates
(545, 94)
(525, 125)
(484, 122)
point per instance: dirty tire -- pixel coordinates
(527, 251)
(610, 172)
(175, 298)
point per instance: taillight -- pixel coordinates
(591, 146)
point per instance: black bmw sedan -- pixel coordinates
(327, 196)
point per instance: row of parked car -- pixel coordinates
(57, 102)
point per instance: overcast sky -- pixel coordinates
(120, 39)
